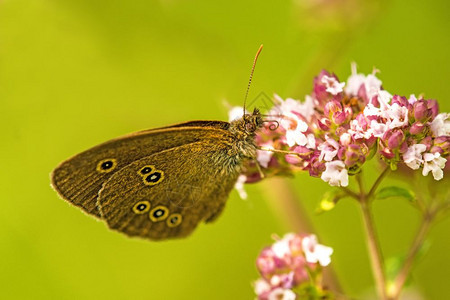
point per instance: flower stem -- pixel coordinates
(376, 257)
(399, 281)
(373, 244)
(377, 182)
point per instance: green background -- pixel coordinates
(75, 73)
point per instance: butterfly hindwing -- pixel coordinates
(167, 194)
(80, 178)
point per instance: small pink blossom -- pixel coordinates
(335, 173)
(261, 286)
(398, 116)
(288, 264)
(333, 86)
(264, 156)
(328, 149)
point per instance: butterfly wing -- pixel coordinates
(79, 179)
(168, 193)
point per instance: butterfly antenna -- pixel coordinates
(251, 75)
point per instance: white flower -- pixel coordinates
(281, 247)
(261, 286)
(372, 111)
(345, 139)
(434, 163)
(413, 156)
(398, 116)
(335, 173)
(288, 106)
(307, 107)
(412, 99)
(263, 156)
(282, 294)
(311, 144)
(334, 87)
(358, 132)
(236, 112)
(371, 83)
(315, 252)
(384, 98)
(378, 129)
(328, 149)
(295, 129)
(441, 124)
(239, 186)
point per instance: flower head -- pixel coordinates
(288, 263)
(342, 125)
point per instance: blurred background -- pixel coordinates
(74, 73)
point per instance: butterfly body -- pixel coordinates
(160, 183)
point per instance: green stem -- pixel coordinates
(375, 255)
(373, 244)
(377, 182)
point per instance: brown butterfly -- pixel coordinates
(160, 183)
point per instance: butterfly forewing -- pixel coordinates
(80, 178)
(166, 195)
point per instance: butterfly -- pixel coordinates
(161, 183)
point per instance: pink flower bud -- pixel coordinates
(339, 117)
(417, 128)
(386, 152)
(354, 155)
(434, 108)
(331, 107)
(441, 145)
(400, 100)
(427, 141)
(421, 111)
(319, 91)
(397, 137)
(324, 124)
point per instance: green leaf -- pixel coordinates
(395, 191)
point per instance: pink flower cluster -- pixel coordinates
(289, 263)
(341, 125)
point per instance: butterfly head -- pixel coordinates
(252, 122)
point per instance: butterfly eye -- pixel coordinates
(159, 213)
(141, 207)
(154, 178)
(146, 170)
(250, 127)
(106, 165)
(174, 220)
